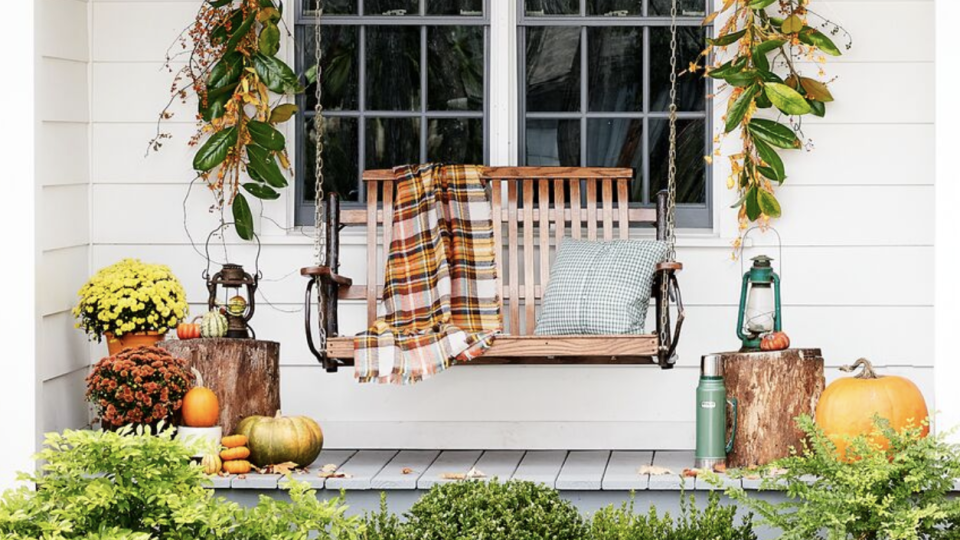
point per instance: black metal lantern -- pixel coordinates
(239, 307)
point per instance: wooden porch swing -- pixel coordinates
(534, 209)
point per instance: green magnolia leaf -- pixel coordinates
(219, 3)
(240, 32)
(265, 166)
(760, 4)
(269, 39)
(224, 30)
(792, 24)
(816, 89)
(770, 77)
(753, 206)
(276, 75)
(269, 14)
(772, 159)
(763, 102)
(768, 203)
(761, 51)
(773, 133)
(242, 217)
(787, 99)
(817, 108)
(226, 72)
(727, 39)
(217, 101)
(815, 38)
(760, 60)
(266, 136)
(282, 113)
(311, 74)
(261, 191)
(739, 108)
(215, 150)
(742, 79)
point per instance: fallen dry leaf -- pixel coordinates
(406, 470)
(691, 473)
(654, 470)
(474, 473)
(286, 467)
(453, 476)
(329, 467)
(720, 468)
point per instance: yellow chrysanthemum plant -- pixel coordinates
(131, 297)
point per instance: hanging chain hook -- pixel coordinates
(671, 184)
(319, 197)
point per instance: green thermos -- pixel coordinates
(712, 443)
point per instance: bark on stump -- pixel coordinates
(772, 388)
(243, 373)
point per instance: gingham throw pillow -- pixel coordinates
(600, 287)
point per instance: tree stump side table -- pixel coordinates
(243, 373)
(772, 388)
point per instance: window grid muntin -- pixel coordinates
(305, 23)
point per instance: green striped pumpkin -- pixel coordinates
(279, 439)
(213, 324)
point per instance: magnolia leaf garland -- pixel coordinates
(234, 71)
(758, 39)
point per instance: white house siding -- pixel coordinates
(857, 231)
(63, 206)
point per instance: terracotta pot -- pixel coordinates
(138, 339)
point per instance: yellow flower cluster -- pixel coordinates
(131, 296)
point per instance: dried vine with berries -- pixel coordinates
(757, 40)
(240, 85)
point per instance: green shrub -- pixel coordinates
(895, 493)
(715, 522)
(138, 486)
(489, 510)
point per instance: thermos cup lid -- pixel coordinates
(711, 366)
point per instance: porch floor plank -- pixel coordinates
(326, 457)
(362, 468)
(499, 464)
(583, 470)
(393, 476)
(623, 471)
(449, 462)
(541, 466)
(676, 461)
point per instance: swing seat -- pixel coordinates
(538, 207)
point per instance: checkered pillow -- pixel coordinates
(600, 287)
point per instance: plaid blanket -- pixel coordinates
(440, 291)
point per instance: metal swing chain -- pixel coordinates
(320, 227)
(671, 178)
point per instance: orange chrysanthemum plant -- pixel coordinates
(762, 51)
(240, 84)
(138, 386)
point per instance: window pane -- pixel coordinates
(685, 8)
(553, 69)
(455, 7)
(393, 68)
(455, 140)
(553, 143)
(691, 89)
(617, 142)
(339, 75)
(340, 173)
(455, 68)
(392, 141)
(330, 7)
(391, 7)
(691, 169)
(615, 68)
(552, 7)
(615, 8)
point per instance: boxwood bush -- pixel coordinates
(715, 522)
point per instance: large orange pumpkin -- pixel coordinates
(201, 408)
(847, 407)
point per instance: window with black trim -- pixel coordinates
(403, 81)
(594, 92)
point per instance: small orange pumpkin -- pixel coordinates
(775, 341)
(239, 466)
(230, 454)
(189, 330)
(234, 441)
(848, 405)
(201, 408)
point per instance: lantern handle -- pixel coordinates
(779, 247)
(257, 275)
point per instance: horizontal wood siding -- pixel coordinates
(857, 231)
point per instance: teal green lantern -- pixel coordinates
(759, 303)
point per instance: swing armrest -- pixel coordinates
(324, 273)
